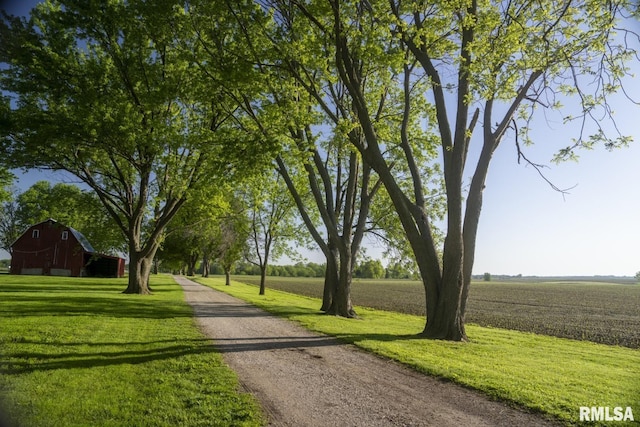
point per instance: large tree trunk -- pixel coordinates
(341, 303)
(445, 319)
(330, 279)
(139, 271)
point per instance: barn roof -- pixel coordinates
(83, 240)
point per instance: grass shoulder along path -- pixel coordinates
(78, 352)
(554, 376)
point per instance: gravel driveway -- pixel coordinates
(306, 379)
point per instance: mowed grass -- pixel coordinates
(607, 313)
(551, 375)
(78, 352)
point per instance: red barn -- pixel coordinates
(52, 249)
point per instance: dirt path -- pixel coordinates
(306, 379)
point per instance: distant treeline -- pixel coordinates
(370, 269)
(309, 269)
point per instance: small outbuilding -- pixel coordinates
(53, 249)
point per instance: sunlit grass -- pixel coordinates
(551, 375)
(78, 352)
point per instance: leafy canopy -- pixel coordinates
(110, 91)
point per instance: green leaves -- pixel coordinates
(106, 91)
(111, 92)
(6, 179)
(273, 226)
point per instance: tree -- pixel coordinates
(6, 180)
(181, 248)
(213, 226)
(189, 235)
(398, 270)
(460, 64)
(638, 276)
(370, 269)
(340, 184)
(173, 254)
(230, 243)
(210, 226)
(9, 227)
(300, 269)
(272, 224)
(105, 91)
(342, 188)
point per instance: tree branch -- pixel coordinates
(538, 167)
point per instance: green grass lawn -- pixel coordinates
(551, 375)
(78, 352)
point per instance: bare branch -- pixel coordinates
(537, 166)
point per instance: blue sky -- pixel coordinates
(17, 7)
(528, 228)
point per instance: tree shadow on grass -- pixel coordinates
(51, 289)
(116, 306)
(23, 362)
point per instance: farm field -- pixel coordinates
(606, 313)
